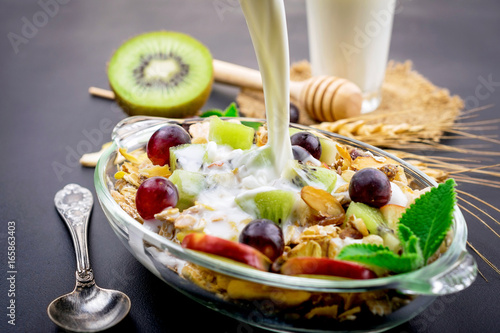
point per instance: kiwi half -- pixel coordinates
(161, 73)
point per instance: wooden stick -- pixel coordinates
(103, 93)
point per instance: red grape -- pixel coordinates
(154, 195)
(158, 148)
(307, 141)
(265, 236)
(294, 113)
(370, 186)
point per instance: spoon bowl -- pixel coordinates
(87, 308)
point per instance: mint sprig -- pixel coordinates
(431, 216)
(421, 230)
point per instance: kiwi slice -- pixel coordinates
(189, 184)
(306, 175)
(375, 223)
(188, 156)
(161, 73)
(238, 136)
(274, 205)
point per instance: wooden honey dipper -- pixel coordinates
(325, 98)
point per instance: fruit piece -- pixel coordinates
(189, 184)
(302, 175)
(370, 186)
(154, 195)
(265, 236)
(391, 214)
(274, 205)
(294, 113)
(161, 73)
(328, 151)
(326, 266)
(158, 147)
(323, 202)
(237, 136)
(308, 141)
(238, 289)
(189, 157)
(252, 160)
(372, 217)
(227, 249)
(300, 154)
(375, 223)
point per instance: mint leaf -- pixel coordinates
(209, 113)
(410, 243)
(381, 256)
(430, 217)
(231, 111)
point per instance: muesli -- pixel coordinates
(332, 210)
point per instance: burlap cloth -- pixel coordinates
(407, 98)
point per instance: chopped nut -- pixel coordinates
(322, 202)
(390, 171)
(308, 249)
(373, 239)
(350, 232)
(261, 136)
(359, 225)
(199, 131)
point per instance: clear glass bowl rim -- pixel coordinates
(420, 281)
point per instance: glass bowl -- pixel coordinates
(453, 271)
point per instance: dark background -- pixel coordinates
(46, 115)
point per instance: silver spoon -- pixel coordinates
(88, 308)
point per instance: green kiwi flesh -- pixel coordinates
(161, 73)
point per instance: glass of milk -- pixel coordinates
(350, 39)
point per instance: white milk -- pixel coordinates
(267, 25)
(350, 39)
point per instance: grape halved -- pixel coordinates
(154, 195)
(158, 148)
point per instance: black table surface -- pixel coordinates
(52, 51)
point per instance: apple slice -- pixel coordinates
(392, 213)
(227, 249)
(326, 266)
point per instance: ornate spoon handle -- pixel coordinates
(74, 203)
